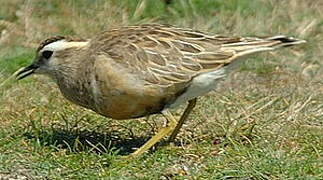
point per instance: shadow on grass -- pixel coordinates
(114, 142)
(87, 141)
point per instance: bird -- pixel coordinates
(136, 71)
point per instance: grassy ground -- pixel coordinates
(42, 136)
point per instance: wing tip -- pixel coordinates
(287, 40)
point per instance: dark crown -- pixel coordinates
(48, 41)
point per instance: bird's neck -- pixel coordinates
(73, 80)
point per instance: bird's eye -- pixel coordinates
(47, 54)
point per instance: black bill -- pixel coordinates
(26, 71)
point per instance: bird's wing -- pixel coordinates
(166, 55)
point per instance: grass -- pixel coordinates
(43, 136)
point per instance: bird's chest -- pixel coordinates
(125, 102)
(113, 97)
(77, 92)
(123, 95)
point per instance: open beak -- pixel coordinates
(26, 71)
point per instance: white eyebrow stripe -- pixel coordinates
(63, 44)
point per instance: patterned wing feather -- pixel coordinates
(166, 55)
(163, 54)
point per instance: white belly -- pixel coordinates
(199, 86)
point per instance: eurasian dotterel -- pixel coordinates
(135, 71)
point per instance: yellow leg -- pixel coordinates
(171, 123)
(190, 106)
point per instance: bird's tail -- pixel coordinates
(252, 45)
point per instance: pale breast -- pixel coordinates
(77, 92)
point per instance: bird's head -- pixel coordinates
(52, 55)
